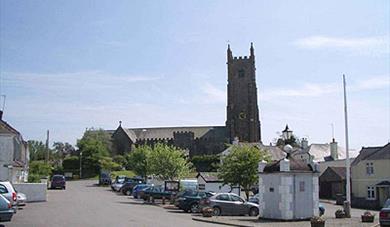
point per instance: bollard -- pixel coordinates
(152, 199)
(347, 209)
(163, 200)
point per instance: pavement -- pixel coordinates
(84, 204)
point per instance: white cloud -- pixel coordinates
(374, 44)
(320, 89)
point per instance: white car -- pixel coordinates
(9, 192)
(21, 199)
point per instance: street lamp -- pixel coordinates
(287, 133)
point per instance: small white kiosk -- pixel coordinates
(288, 189)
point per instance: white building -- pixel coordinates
(288, 189)
(209, 181)
(14, 154)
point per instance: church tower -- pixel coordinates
(242, 110)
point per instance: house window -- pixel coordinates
(302, 186)
(370, 168)
(370, 192)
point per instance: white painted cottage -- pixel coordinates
(288, 189)
(209, 181)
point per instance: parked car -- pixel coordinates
(189, 201)
(157, 192)
(58, 181)
(138, 188)
(6, 211)
(254, 199)
(104, 178)
(9, 192)
(118, 183)
(230, 204)
(21, 199)
(384, 214)
(127, 187)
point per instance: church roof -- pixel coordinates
(168, 132)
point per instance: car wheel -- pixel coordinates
(216, 211)
(128, 192)
(194, 208)
(63, 188)
(253, 211)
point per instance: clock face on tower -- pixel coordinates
(242, 115)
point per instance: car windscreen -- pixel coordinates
(58, 178)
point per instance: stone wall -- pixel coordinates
(35, 192)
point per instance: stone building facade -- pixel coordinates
(242, 118)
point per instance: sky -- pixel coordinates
(70, 65)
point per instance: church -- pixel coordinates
(242, 120)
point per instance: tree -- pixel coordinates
(106, 163)
(239, 167)
(94, 146)
(137, 160)
(37, 170)
(168, 162)
(37, 150)
(120, 160)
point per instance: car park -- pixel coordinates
(384, 214)
(230, 204)
(58, 181)
(6, 211)
(9, 192)
(189, 201)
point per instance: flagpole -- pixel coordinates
(347, 161)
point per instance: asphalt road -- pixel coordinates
(85, 204)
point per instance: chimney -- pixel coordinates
(304, 143)
(284, 165)
(1, 115)
(333, 150)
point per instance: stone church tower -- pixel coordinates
(242, 110)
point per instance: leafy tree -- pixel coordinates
(206, 163)
(37, 170)
(37, 150)
(120, 160)
(239, 167)
(168, 162)
(71, 163)
(106, 163)
(94, 146)
(137, 160)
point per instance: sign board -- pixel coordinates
(172, 186)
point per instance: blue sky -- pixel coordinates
(68, 65)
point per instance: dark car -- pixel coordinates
(104, 178)
(384, 214)
(230, 204)
(137, 190)
(129, 184)
(58, 181)
(189, 201)
(157, 192)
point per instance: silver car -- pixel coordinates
(8, 191)
(6, 211)
(231, 204)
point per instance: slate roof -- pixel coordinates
(275, 152)
(373, 153)
(321, 152)
(216, 132)
(7, 128)
(209, 176)
(296, 165)
(333, 174)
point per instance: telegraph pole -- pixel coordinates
(47, 147)
(347, 204)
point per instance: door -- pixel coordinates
(224, 203)
(238, 205)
